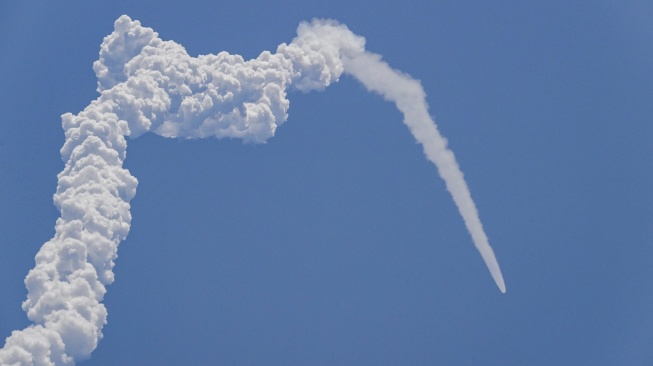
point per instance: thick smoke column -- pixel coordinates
(147, 84)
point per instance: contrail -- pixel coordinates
(147, 84)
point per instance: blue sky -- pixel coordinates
(336, 242)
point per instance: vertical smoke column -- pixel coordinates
(68, 282)
(67, 285)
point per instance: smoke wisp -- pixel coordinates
(150, 85)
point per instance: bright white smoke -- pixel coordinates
(147, 84)
(408, 95)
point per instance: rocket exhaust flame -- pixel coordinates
(147, 84)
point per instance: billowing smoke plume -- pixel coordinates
(147, 84)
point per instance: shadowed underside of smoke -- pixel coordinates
(147, 84)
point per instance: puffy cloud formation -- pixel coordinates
(156, 86)
(147, 84)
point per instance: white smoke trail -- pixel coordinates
(147, 84)
(409, 97)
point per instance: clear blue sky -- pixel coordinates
(336, 243)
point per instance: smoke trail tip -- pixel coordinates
(502, 287)
(498, 279)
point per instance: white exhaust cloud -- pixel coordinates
(147, 84)
(408, 95)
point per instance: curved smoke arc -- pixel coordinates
(150, 85)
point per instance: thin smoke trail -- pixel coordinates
(409, 97)
(147, 84)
